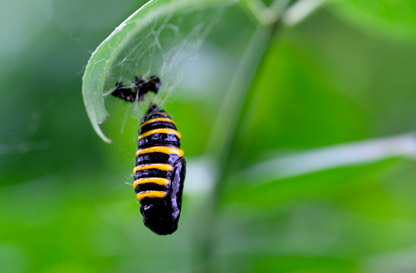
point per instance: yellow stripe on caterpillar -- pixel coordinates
(162, 167)
(161, 149)
(157, 119)
(151, 194)
(155, 180)
(159, 131)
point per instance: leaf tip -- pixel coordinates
(99, 132)
(101, 135)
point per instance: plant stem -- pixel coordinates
(229, 119)
(225, 130)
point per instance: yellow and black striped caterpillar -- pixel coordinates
(159, 171)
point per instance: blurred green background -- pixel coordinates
(320, 176)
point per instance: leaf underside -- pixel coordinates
(120, 46)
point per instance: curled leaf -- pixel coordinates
(153, 40)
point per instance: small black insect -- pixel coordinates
(160, 168)
(139, 88)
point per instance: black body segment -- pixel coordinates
(156, 125)
(159, 171)
(156, 157)
(161, 215)
(159, 140)
(151, 173)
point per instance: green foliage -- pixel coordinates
(299, 137)
(393, 18)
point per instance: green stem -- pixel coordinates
(229, 119)
(266, 15)
(226, 127)
(225, 130)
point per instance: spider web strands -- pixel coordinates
(166, 50)
(105, 57)
(350, 154)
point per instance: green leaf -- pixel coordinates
(289, 188)
(294, 175)
(394, 18)
(330, 157)
(135, 41)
